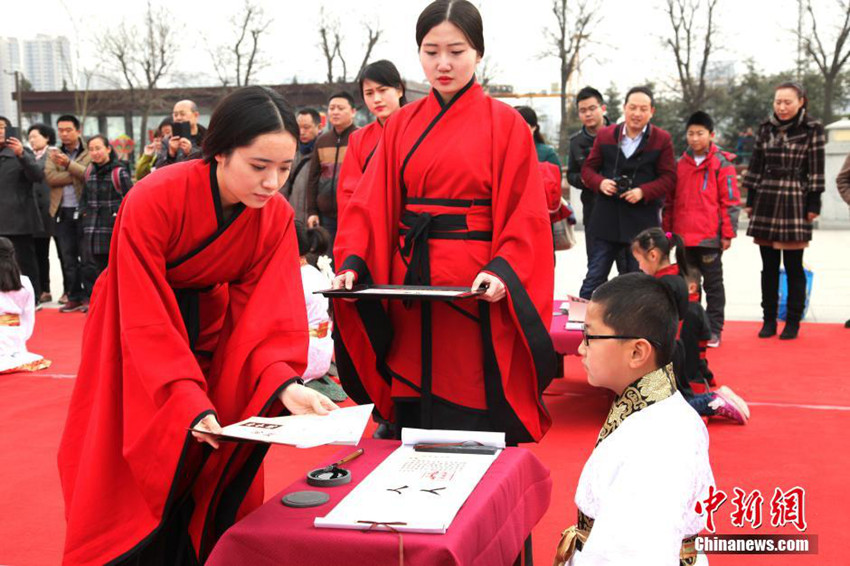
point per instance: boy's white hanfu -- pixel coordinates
(17, 320)
(637, 491)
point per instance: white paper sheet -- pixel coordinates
(400, 292)
(411, 436)
(342, 426)
(578, 308)
(419, 492)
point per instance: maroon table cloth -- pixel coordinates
(566, 342)
(489, 530)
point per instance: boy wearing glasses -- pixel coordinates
(637, 493)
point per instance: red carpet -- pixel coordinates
(800, 401)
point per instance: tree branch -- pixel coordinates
(338, 53)
(373, 36)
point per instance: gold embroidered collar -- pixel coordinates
(648, 390)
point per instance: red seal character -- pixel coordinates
(709, 505)
(788, 507)
(747, 508)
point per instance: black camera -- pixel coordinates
(624, 183)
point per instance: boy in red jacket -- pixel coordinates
(704, 209)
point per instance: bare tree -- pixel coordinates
(338, 53)
(239, 61)
(142, 56)
(331, 45)
(828, 64)
(328, 32)
(487, 72)
(691, 63)
(80, 81)
(73, 72)
(373, 36)
(566, 42)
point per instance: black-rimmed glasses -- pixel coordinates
(588, 337)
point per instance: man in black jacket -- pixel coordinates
(19, 218)
(295, 189)
(591, 111)
(631, 168)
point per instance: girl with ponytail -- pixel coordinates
(651, 248)
(316, 275)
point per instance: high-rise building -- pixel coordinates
(45, 62)
(10, 61)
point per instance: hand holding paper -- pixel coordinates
(210, 424)
(300, 400)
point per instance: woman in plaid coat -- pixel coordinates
(784, 184)
(107, 182)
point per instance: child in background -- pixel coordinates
(17, 315)
(651, 248)
(637, 491)
(312, 244)
(695, 334)
(704, 208)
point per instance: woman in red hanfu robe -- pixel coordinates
(198, 319)
(452, 198)
(383, 91)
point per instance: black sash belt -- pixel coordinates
(418, 229)
(189, 301)
(421, 227)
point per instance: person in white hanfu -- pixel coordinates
(316, 275)
(17, 315)
(637, 493)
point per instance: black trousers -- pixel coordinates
(603, 255)
(42, 255)
(92, 266)
(25, 253)
(68, 234)
(793, 261)
(710, 263)
(588, 199)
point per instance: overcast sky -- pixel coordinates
(627, 46)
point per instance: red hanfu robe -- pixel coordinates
(452, 190)
(362, 144)
(194, 315)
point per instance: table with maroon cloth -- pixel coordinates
(490, 529)
(566, 342)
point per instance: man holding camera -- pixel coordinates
(19, 218)
(631, 168)
(187, 138)
(591, 110)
